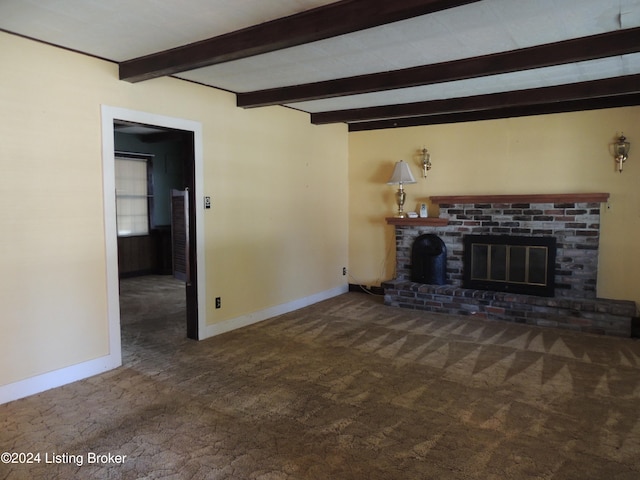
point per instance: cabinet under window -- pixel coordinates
(133, 193)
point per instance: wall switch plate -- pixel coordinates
(207, 202)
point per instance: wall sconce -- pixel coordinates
(425, 158)
(401, 175)
(621, 151)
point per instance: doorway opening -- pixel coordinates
(150, 163)
(171, 152)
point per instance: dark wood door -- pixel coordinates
(180, 235)
(183, 251)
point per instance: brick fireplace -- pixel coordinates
(572, 219)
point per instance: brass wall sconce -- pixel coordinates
(425, 158)
(401, 175)
(621, 151)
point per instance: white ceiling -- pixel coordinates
(120, 30)
(541, 77)
(485, 27)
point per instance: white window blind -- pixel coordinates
(132, 205)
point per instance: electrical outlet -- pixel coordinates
(344, 270)
(218, 302)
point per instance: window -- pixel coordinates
(132, 194)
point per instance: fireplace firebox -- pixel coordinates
(506, 263)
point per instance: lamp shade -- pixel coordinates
(401, 174)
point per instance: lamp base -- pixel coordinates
(400, 196)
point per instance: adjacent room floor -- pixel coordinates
(344, 389)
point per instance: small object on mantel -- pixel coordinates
(424, 213)
(420, 222)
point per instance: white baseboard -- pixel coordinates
(57, 378)
(63, 376)
(255, 317)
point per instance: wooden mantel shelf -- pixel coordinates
(417, 222)
(525, 198)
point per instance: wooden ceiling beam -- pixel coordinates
(608, 87)
(608, 44)
(327, 21)
(632, 99)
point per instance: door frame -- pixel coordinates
(109, 115)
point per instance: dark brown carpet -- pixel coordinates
(345, 389)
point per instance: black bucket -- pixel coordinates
(429, 260)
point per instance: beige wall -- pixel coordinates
(561, 153)
(277, 231)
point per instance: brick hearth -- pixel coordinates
(575, 222)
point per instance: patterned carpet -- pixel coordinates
(345, 389)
